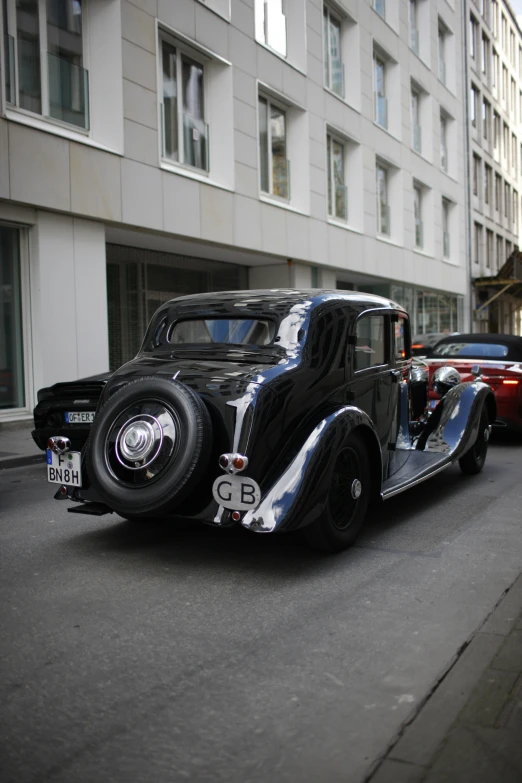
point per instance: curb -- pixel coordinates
(21, 462)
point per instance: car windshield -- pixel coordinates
(232, 331)
(471, 350)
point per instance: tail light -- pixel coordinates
(507, 382)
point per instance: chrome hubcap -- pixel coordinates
(356, 489)
(486, 434)
(136, 441)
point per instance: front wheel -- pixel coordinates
(473, 460)
(348, 498)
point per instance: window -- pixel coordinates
(486, 118)
(489, 248)
(496, 66)
(515, 211)
(513, 99)
(475, 174)
(494, 17)
(274, 166)
(11, 333)
(507, 199)
(443, 142)
(504, 33)
(477, 242)
(402, 338)
(442, 35)
(485, 54)
(472, 36)
(414, 26)
(512, 49)
(496, 134)
(229, 331)
(415, 121)
(185, 132)
(500, 251)
(333, 65)
(45, 57)
(473, 100)
(487, 183)
(508, 249)
(381, 104)
(370, 342)
(505, 149)
(383, 207)
(380, 7)
(271, 25)
(445, 228)
(520, 161)
(337, 192)
(513, 152)
(498, 192)
(417, 213)
(504, 82)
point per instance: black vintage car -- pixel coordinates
(67, 410)
(275, 410)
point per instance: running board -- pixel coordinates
(94, 509)
(412, 474)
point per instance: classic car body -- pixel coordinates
(276, 410)
(498, 360)
(67, 410)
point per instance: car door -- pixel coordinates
(372, 386)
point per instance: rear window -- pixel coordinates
(233, 331)
(471, 350)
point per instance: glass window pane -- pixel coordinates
(370, 342)
(68, 84)
(170, 101)
(194, 127)
(237, 331)
(263, 144)
(336, 64)
(326, 48)
(28, 38)
(11, 343)
(278, 149)
(329, 166)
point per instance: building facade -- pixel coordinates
(151, 148)
(494, 68)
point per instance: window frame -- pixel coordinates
(9, 12)
(271, 101)
(352, 346)
(183, 50)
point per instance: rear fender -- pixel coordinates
(298, 497)
(454, 424)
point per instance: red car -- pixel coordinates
(499, 359)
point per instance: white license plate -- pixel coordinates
(79, 417)
(237, 493)
(64, 468)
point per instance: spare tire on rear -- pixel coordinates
(148, 446)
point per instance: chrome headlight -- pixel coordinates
(444, 379)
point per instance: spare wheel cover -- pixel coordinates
(148, 446)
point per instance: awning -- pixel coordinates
(508, 281)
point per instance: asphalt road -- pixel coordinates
(131, 654)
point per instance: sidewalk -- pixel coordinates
(469, 729)
(17, 448)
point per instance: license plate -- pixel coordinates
(79, 417)
(237, 493)
(64, 468)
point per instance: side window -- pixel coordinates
(370, 342)
(402, 339)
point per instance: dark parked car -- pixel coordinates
(67, 410)
(498, 360)
(276, 410)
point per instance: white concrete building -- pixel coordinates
(494, 60)
(150, 148)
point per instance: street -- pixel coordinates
(135, 654)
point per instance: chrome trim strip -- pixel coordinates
(410, 484)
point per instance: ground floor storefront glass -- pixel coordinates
(430, 312)
(12, 393)
(139, 281)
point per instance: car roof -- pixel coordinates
(513, 343)
(278, 302)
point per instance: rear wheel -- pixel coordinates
(473, 460)
(348, 498)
